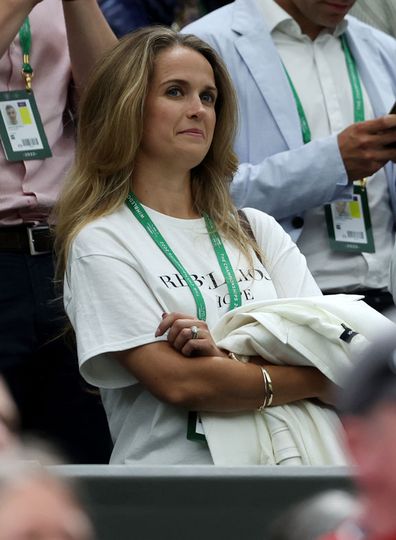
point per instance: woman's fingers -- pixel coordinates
(168, 320)
(186, 329)
(176, 323)
(200, 347)
(189, 333)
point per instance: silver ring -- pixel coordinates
(194, 332)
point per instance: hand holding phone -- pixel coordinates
(367, 146)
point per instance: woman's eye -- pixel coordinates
(174, 92)
(208, 97)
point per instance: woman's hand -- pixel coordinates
(188, 335)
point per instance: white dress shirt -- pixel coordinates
(320, 76)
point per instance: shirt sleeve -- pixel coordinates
(111, 308)
(283, 260)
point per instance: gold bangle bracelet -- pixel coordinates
(265, 402)
(270, 391)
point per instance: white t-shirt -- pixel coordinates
(117, 285)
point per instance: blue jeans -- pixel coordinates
(40, 368)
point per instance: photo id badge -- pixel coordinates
(195, 431)
(349, 224)
(21, 129)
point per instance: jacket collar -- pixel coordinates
(367, 55)
(259, 53)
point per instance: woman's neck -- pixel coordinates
(165, 191)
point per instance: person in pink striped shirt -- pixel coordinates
(64, 40)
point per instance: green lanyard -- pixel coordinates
(233, 288)
(357, 93)
(25, 38)
(358, 103)
(224, 263)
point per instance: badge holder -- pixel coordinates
(349, 224)
(21, 129)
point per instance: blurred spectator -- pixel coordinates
(314, 517)
(124, 16)
(378, 13)
(8, 418)
(368, 409)
(127, 15)
(35, 504)
(210, 5)
(193, 9)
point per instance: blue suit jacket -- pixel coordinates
(278, 173)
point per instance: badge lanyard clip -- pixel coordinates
(25, 37)
(363, 183)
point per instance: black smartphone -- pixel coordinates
(392, 111)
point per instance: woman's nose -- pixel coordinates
(196, 107)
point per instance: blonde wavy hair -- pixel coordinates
(110, 127)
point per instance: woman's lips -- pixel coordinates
(193, 132)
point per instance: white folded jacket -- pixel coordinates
(316, 331)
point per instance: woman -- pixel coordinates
(145, 281)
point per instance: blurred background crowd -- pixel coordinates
(127, 15)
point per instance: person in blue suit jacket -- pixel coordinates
(315, 86)
(283, 51)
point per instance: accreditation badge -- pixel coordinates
(21, 129)
(195, 431)
(349, 223)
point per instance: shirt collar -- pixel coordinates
(277, 18)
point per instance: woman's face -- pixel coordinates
(180, 112)
(38, 508)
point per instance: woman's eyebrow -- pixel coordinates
(174, 81)
(184, 82)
